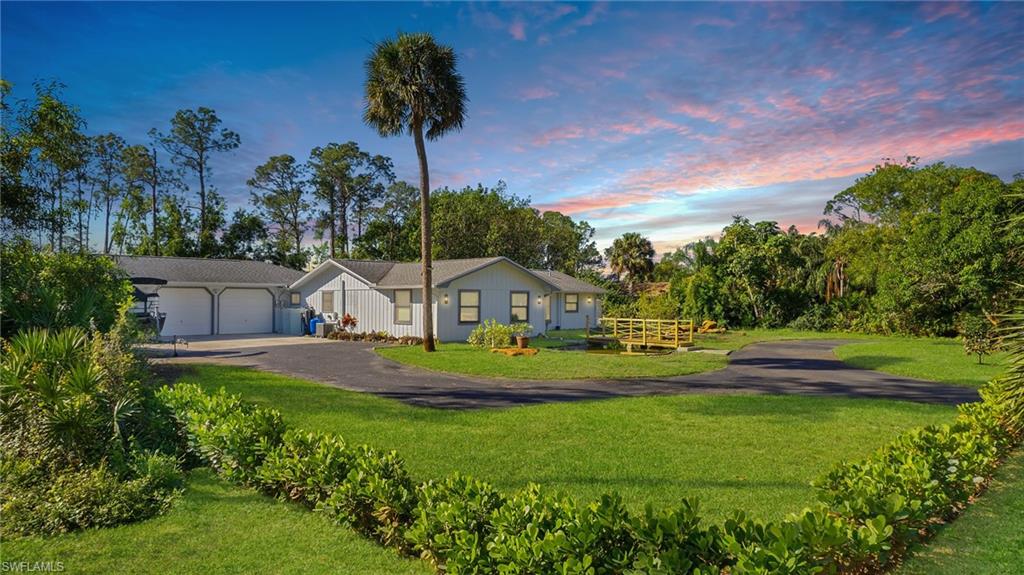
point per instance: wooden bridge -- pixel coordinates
(670, 333)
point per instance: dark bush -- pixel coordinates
(43, 289)
(34, 499)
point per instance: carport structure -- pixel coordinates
(206, 296)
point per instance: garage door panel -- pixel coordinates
(189, 311)
(245, 310)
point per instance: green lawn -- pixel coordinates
(988, 539)
(926, 358)
(217, 528)
(735, 339)
(551, 363)
(733, 452)
(933, 358)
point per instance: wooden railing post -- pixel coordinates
(643, 324)
(691, 331)
(675, 329)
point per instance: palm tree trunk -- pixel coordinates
(153, 183)
(428, 310)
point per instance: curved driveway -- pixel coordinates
(804, 367)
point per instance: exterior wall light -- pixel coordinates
(540, 299)
(589, 300)
(445, 298)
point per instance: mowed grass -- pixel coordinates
(932, 358)
(736, 339)
(551, 363)
(217, 528)
(988, 539)
(925, 358)
(757, 453)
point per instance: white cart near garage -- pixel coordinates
(207, 296)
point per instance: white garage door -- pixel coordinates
(246, 311)
(189, 311)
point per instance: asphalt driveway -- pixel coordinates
(805, 367)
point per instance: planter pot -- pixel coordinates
(523, 341)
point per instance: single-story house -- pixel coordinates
(215, 296)
(387, 296)
(203, 296)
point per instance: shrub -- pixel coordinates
(230, 435)
(817, 318)
(453, 512)
(78, 417)
(306, 467)
(37, 501)
(491, 334)
(44, 289)
(376, 498)
(979, 336)
(673, 541)
(349, 322)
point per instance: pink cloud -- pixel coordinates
(927, 96)
(770, 157)
(517, 29)
(896, 34)
(937, 10)
(699, 111)
(561, 133)
(536, 93)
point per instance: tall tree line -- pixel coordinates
(905, 249)
(74, 191)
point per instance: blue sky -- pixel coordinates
(665, 119)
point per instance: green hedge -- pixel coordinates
(868, 515)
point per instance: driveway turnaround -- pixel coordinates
(803, 367)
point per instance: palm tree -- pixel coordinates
(631, 255)
(412, 85)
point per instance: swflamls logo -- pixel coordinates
(31, 566)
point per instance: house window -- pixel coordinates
(326, 301)
(403, 306)
(572, 302)
(296, 298)
(469, 306)
(519, 306)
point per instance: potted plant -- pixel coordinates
(522, 332)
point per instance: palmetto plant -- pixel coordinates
(412, 86)
(57, 401)
(1010, 386)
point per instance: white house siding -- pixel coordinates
(373, 308)
(578, 320)
(495, 283)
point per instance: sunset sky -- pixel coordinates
(665, 119)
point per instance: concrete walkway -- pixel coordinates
(803, 367)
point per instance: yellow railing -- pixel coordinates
(648, 332)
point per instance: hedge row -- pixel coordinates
(869, 512)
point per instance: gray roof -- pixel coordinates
(384, 274)
(370, 270)
(207, 270)
(567, 283)
(408, 273)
